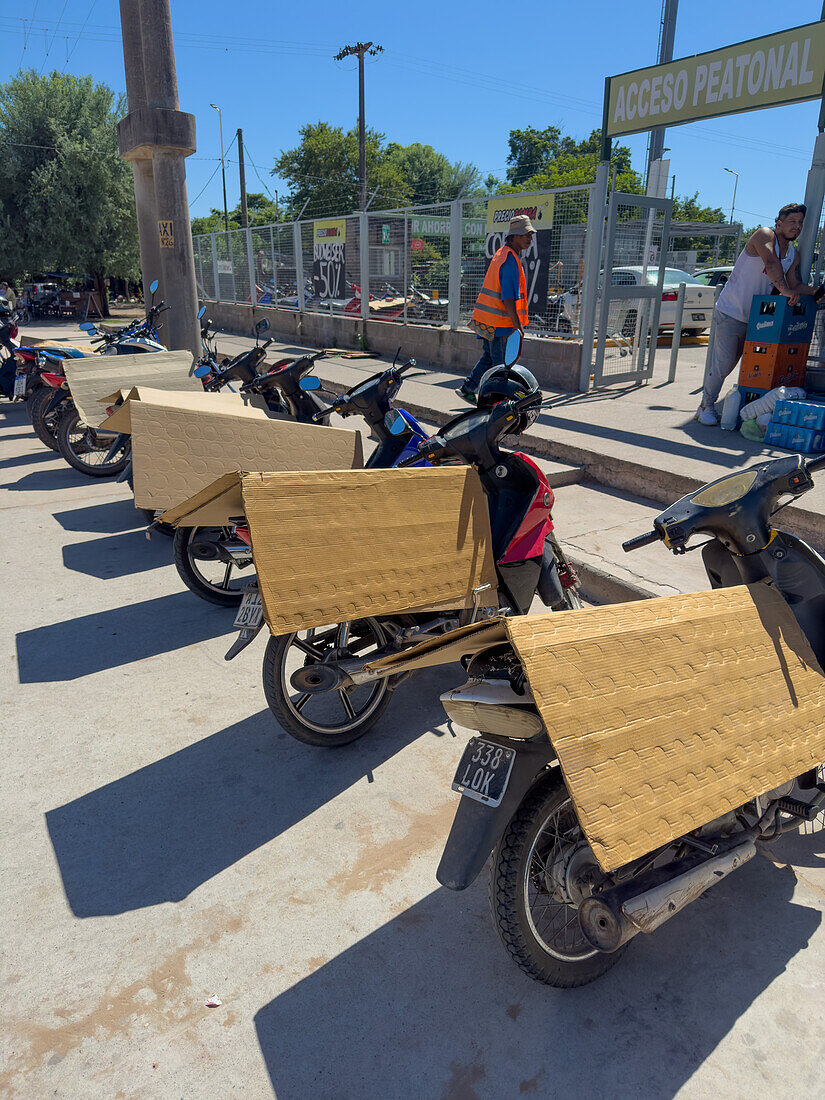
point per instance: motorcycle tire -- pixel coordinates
(373, 699)
(192, 576)
(571, 602)
(80, 446)
(45, 424)
(568, 960)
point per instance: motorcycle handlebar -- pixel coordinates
(815, 463)
(640, 541)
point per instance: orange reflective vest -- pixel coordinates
(488, 308)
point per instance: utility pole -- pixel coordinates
(156, 136)
(656, 144)
(359, 49)
(242, 174)
(215, 107)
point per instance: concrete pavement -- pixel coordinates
(165, 841)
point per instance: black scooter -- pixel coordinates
(563, 919)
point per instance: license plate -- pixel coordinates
(251, 611)
(698, 316)
(20, 385)
(484, 771)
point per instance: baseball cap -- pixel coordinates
(521, 224)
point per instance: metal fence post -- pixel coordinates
(217, 273)
(590, 282)
(454, 278)
(364, 262)
(250, 259)
(298, 247)
(406, 263)
(274, 294)
(677, 332)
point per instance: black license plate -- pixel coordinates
(698, 316)
(484, 771)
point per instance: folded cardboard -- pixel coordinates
(120, 420)
(178, 450)
(93, 378)
(215, 506)
(665, 713)
(335, 546)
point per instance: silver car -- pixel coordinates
(696, 315)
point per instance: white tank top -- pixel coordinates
(747, 279)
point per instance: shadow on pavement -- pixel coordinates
(432, 998)
(27, 459)
(106, 519)
(118, 555)
(156, 835)
(90, 643)
(63, 478)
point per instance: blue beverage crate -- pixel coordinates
(775, 434)
(810, 414)
(784, 412)
(804, 441)
(773, 321)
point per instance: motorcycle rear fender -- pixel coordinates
(477, 828)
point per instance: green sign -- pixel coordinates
(421, 226)
(385, 234)
(765, 72)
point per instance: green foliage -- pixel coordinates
(323, 168)
(66, 197)
(689, 209)
(261, 211)
(542, 159)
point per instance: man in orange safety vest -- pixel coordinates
(501, 306)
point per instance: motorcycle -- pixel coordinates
(316, 682)
(563, 920)
(207, 558)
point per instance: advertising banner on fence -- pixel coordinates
(764, 72)
(536, 260)
(329, 242)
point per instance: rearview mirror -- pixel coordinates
(201, 312)
(87, 326)
(262, 325)
(394, 422)
(201, 371)
(512, 349)
(310, 383)
(153, 286)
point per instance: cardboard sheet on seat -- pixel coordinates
(333, 546)
(179, 450)
(93, 378)
(120, 420)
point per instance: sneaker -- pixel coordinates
(707, 417)
(468, 395)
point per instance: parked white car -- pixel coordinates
(714, 276)
(696, 316)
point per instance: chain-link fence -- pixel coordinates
(424, 264)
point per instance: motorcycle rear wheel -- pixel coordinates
(45, 425)
(535, 915)
(85, 450)
(208, 578)
(330, 718)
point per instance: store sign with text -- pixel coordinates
(329, 262)
(536, 260)
(787, 67)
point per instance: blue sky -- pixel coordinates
(458, 77)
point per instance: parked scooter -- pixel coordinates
(562, 919)
(315, 681)
(210, 560)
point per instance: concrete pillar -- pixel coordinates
(156, 136)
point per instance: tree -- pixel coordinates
(66, 198)
(261, 211)
(430, 176)
(542, 159)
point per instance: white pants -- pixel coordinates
(728, 343)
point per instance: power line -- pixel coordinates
(25, 35)
(80, 33)
(48, 48)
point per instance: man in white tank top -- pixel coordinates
(768, 260)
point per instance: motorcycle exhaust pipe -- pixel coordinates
(610, 919)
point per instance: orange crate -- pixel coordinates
(765, 366)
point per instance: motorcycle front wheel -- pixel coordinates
(87, 451)
(203, 571)
(540, 875)
(328, 718)
(45, 424)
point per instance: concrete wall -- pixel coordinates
(555, 363)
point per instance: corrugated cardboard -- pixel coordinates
(177, 450)
(213, 506)
(333, 546)
(120, 420)
(667, 713)
(93, 378)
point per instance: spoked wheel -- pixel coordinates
(542, 870)
(204, 571)
(45, 424)
(571, 602)
(327, 718)
(87, 451)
